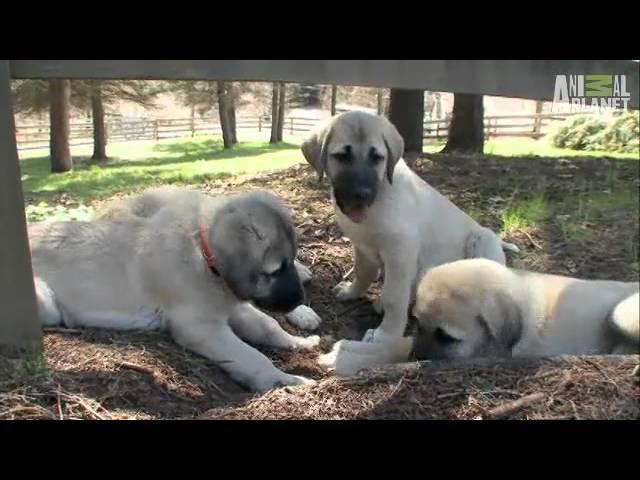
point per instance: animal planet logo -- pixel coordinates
(591, 93)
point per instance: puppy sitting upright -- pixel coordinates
(476, 307)
(194, 267)
(393, 217)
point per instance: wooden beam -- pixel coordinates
(19, 325)
(533, 79)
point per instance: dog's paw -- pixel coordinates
(304, 317)
(292, 380)
(348, 357)
(304, 272)
(338, 351)
(328, 360)
(282, 380)
(344, 291)
(307, 343)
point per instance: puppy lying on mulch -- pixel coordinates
(477, 307)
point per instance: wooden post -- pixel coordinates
(259, 123)
(291, 127)
(537, 122)
(19, 325)
(155, 130)
(380, 101)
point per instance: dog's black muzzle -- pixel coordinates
(355, 189)
(286, 292)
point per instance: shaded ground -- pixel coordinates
(577, 217)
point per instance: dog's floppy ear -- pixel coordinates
(314, 148)
(502, 318)
(395, 146)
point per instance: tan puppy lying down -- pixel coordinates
(477, 307)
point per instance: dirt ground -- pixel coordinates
(109, 375)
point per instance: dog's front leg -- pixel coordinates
(400, 272)
(348, 357)
(215, 340)
(259, 328)
(365, 273)
(303, 271)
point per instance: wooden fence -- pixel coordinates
(533, 126)
(36, 136)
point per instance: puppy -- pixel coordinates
(196, 268)
(393, 218)
(476, 307)
(151, 201)
(479, 308)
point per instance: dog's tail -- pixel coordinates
(509, 247)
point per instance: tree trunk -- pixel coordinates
(281, 108)
(223, 110)
(232, 115)
(466, 132)
(380, 98)
(193, 118)
(59, 95)
(274, 113)
(406, 112)
(438, 107)
(334, 95)
(99, 130)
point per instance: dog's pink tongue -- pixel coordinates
(357, 214)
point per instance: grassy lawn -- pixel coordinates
(136, 165)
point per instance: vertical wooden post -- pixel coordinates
(259, 123)
(537, 122)
(291, 127)
(19, 325)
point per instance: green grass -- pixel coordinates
(136, 165)
(523, 214)
(578, 211)
(527, 147)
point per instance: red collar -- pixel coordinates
(206, 251)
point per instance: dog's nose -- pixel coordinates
(362, 194)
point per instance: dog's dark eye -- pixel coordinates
(375, 157)
(443, 337)
(283, 267)
(342, 156)
(278, 271)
